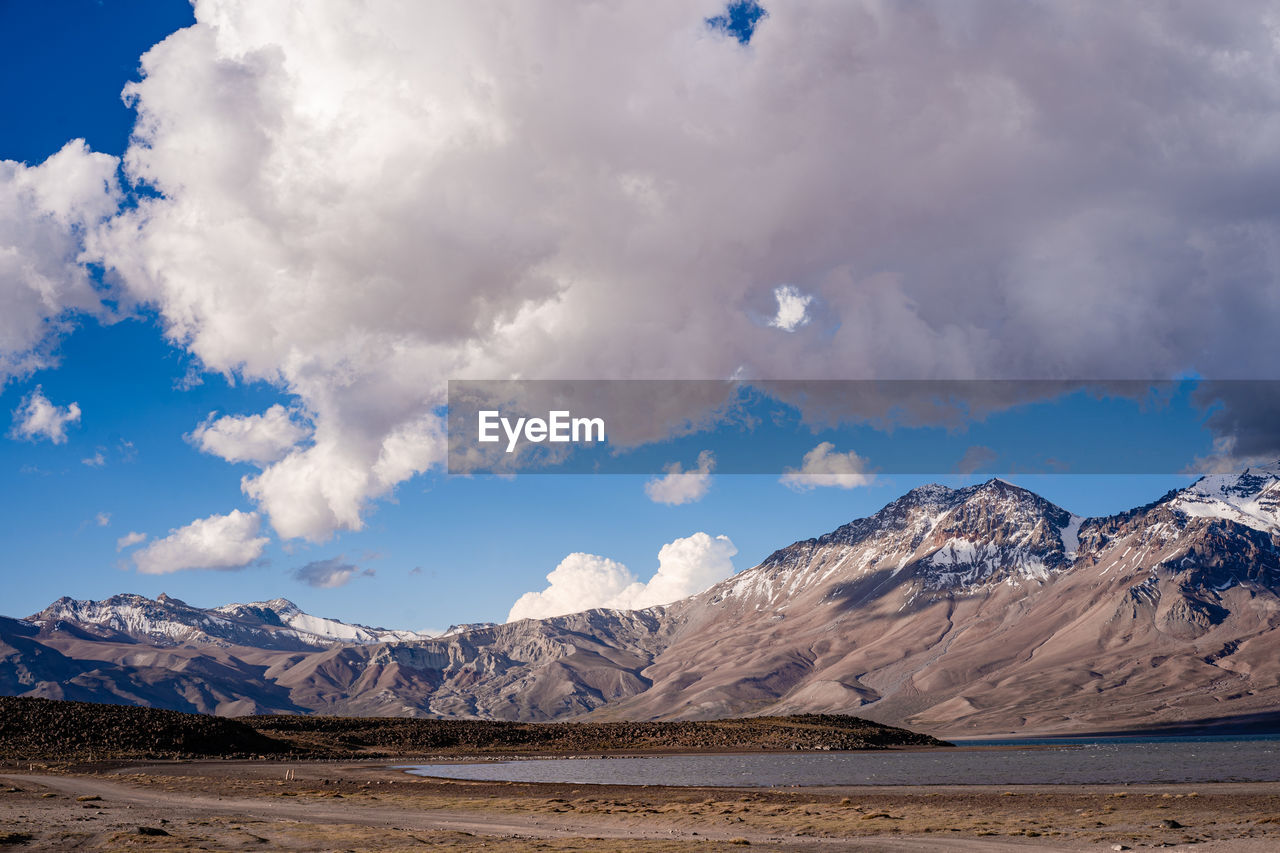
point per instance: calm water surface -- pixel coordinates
(1078, 762)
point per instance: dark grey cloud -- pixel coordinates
(327, 574)
(976, 458)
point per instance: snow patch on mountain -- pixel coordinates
(332, 630)
(962, 563)
(1070, 536)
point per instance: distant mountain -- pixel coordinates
(986, 609)
(25, 662)
(168, 621)
(163, 653)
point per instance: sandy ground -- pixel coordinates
(357, 807)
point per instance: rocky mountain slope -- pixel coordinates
(988, 610)
(979, 610)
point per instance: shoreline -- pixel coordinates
(1118, 736)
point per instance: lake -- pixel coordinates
(1105, 761)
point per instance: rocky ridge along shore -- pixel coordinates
(47, 730)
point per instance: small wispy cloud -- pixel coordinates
(130, 539)
(823, 466)
(977, 458)
(190, 379)
(678, 486)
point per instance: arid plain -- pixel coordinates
(340, 806)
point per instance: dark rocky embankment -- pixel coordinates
(50, 730)
(47, 729)
(807, 732)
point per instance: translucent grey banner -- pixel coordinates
(839, 429)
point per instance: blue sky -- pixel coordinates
(479, 541)
(63, 65)
(339, 252)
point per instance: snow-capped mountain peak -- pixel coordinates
(933, 540)
(1250, 497)
(998, 531)
(274, 624)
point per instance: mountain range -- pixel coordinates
(981, 610)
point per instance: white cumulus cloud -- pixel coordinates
(325, 487)
(678, 486)
(685, 567)
(581, 581)
(260, 439)
(824, 466)
(38, 418)
(223, 542)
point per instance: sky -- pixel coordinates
(244, 246)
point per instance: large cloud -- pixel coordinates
(363, 199)
(44, 211)
(585, 581)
